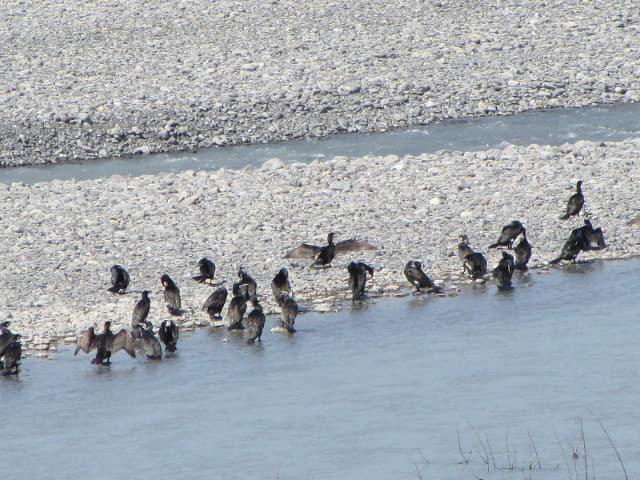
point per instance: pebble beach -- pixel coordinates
(117, 79)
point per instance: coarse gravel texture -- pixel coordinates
(97, 79)
(59, 238)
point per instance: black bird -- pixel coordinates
(215, 302)
(168, 334)
(235, 312)
(571, 249)
(119, 279)
(575, 202)
(148, 344)
(105, 344)
(325, 255)
(10, 358)
(508, 234)
(7, 337)
(523, 253)
(416, 277)
(358, 278)
(504, 271)
(246, 286)
(288, 314)
(254, 322)
(473, 263)
(280, 286)
(139, 315)
(207, 270)
(171, 295)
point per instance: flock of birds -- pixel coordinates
(141, 339)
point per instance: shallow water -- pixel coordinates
(551, 127)
(385, 391)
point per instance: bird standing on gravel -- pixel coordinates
(416, 277)
(575, 202)
(280, 286)
(508, 234)
(119, 279)
(324, 255)
(215, 302)
(207, 270)
(171, 295)
(140, 313)
(523, 253)
(473, 263)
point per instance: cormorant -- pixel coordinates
(171, 295)
(139, 315)
(581, 239)
(280, 286)
(358, 278)
(105, 343)
(148, 343)
(215, 302)
(207, 270)
(288, 314)
(571, 249)
(246, 286)
(7, 337)
(416, 277)
(119, 279)
(254, 322)
(575, 202)
(10, 358)
(473, 263)
(503, 272)
(235, 312)
(325, 255)
(169, 333)
(523, 252)
(508, 234)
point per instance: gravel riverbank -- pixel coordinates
(60, 238)
(81, 80)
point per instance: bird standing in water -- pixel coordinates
(575, 202)
(168, 334)
(105, 344)
(254, 322)
(504, 271)
(358, 278)
(119, 279)
(523, 252)
(171, 295)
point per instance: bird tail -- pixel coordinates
(555, 260)
(199, 278)
(564, 217)
(493, 245)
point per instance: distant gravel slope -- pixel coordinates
(104, 78)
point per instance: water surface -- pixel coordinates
(386, 391)
(551, 127)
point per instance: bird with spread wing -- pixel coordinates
(324, 255)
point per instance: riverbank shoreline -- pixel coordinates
(61, 237)
(101, 80)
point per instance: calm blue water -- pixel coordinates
(552, 127)
(382, 392)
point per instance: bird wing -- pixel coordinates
(352, 245)
(303, 251)
(122, 341)
(86, 342)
